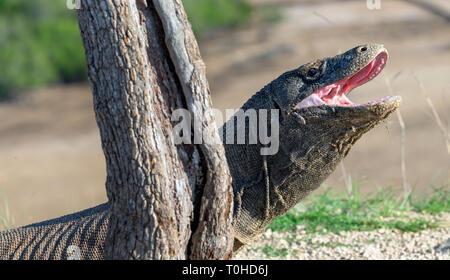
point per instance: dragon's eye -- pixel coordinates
(312, 72)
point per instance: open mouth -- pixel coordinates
(336, 94)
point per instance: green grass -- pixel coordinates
(335, 211)
(7, 221)
(273, 252)
(437, 202)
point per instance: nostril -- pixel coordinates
(362, 49)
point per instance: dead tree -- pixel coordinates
(166, 201)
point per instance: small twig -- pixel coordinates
(442, 127)
(403, 151)
(347, 179)
(402, 143)
(7, 220)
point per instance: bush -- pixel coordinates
(40, 42)
(207, 14)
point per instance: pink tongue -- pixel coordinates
(358, 78)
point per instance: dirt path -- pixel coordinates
(51, 161)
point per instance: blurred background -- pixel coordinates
(51, 162)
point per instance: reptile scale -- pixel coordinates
(318, 125)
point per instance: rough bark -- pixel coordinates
(152, 183)
(211, 239)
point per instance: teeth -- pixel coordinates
(316, 100)
(325, 91)
(346, 101)
(375, 72)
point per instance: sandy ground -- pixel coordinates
(380, 244)
(51, 162)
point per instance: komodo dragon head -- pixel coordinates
(318, 125)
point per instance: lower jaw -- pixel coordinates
(381, 100)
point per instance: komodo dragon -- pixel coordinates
(318, 125)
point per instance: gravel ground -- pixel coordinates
(355, 245)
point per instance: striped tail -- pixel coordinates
(78, 236)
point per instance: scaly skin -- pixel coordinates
(312, 142)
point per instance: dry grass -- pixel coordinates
(444, 130)
(7, 221)
(403, 143)
(347, 177)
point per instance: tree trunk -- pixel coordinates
(167, 201)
